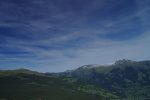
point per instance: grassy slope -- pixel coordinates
(29, 85)
(127, 79)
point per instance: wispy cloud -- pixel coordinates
(55, 36)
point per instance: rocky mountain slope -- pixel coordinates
(125, 78)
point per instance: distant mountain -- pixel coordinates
(125, 78)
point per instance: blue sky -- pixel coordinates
(58, 35)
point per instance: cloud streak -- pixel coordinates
(55, 36)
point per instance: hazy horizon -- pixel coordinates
(59, 35)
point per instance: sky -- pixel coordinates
(59, 35)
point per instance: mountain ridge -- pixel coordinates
(125, 79)
(122, 77)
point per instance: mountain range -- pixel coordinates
(123, 80)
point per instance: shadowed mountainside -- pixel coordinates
(126, 78)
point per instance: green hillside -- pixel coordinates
(24, 84)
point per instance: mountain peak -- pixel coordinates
(123, 61)
(89, 66)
